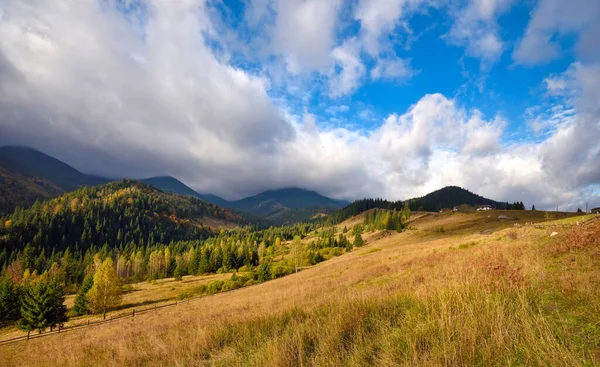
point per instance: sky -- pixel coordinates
(351, 98)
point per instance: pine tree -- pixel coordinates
(42, 305)
(106, 291)
(9, 301)
(358, 240)
(533, 207)
(59, 310)
(178, 273)
(81, 306)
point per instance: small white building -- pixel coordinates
(484, 207)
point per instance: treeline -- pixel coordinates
(118, 215)
(517, 205)
(379, 219)
(360, 206)
(223, 251)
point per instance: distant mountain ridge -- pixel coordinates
(288, 205)
(27, 175)
(29, 162)
(172, 185)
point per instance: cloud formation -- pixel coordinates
(156, 89)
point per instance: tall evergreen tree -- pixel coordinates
(42, 305)
(9, 301)
(81, 306)
(358, 240)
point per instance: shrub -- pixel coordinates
(214, 287)
(280, 270)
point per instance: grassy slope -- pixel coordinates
(513, 296)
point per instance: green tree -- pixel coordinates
(9, 301)
(81, 306)
(533, 207)
(42, 305)
(178, 273)
(106, 291)
(358, 240)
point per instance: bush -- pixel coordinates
(214, 287)
(280, 270)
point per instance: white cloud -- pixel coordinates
(124, 98)
(305, 32)
(557, 17)
(393, 68)
(381, 17)
(350, 71)
(475, 28)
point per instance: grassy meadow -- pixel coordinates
(453, 290)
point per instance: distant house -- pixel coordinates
(484, 207)
(455, 209)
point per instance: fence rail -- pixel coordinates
(90, 323)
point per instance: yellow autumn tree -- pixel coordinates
(106, 291)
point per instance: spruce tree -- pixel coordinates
(59, 310)
(9, 301)
(37, 311)
(358, 240)
(81, 307)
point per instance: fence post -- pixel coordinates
(88, 322)
(133, 315)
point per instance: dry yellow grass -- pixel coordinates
(457, 297)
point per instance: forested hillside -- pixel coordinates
(360, 206)
(449, 197)
(27, 175)
(117, 215)
(17, 190)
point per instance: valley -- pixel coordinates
(481, 291)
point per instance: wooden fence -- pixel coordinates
(90, 323)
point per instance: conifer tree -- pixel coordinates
(42, 305)
(81, 306)
(9, 301)
(358, 240)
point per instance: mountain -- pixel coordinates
(173, 185)
(31, 163)
(27, 175)
(116, 214)
(451, 196)
(288, 205)
(17, 190)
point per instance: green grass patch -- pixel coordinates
(370, 251)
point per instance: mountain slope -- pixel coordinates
(17, 190)
(174, 186)
(115, 214)
(27, 175)
(31, 163)
(287, 205)
(448, 197)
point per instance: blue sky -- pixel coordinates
(352, 98)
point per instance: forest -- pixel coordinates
(125, 232)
